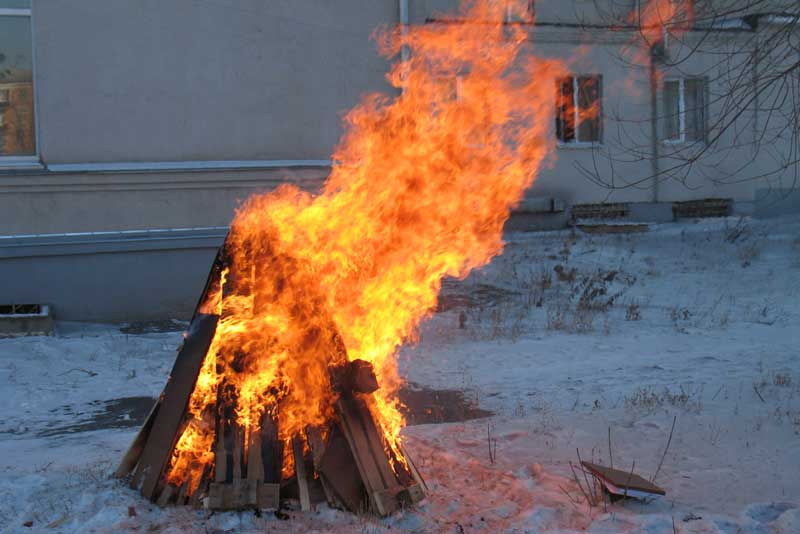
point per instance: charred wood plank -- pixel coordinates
(338, 470)
(174, 401)
(301, 473)
(317, 446)
(271, 448)
(369, 454)
(357, 376)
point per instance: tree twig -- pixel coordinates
(669, 440)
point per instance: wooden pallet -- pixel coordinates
(707, 207)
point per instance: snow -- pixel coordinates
(697, 323)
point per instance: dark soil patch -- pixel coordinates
(154, 327)
(125, 412)
(425, 406)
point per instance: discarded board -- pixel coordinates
(623, 483)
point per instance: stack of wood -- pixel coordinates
(345, 463)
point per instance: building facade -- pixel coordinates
(130, 131)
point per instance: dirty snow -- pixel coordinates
(565, 336)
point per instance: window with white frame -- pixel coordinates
(17, 129)
(685, 110)
(579, 109)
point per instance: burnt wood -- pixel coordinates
(339, 472)
(174, 401)
(356, 376)
(301, 472)
(271, 448)
(366, 443)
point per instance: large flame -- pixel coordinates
(420, 188)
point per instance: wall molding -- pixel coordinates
(151, 176)
(83, 243)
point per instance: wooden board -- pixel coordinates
(214, 276)
(370, 457)
(243, 494)
(134, 452)
(623, 479)
(317, 446)
(338, 469)
(174, 401)
(412, 468)
(271, 449)
(301, 473)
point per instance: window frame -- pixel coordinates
(30, 160)
(577, 143)
(527, 18)
(681, 138)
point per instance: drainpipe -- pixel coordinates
(656, 54)
(403, 7)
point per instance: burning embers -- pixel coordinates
(242, 423)
(273, 390)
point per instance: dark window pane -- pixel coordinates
(671, 119)
(565, 110)
(695, 101)
(16, 88)
(589, 108)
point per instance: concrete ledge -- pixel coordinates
(41, 245)
(110, 276)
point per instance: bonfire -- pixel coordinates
(286, 385)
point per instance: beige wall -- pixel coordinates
(121, 81)
(40, 204)
(181, 80)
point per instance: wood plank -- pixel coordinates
(339, 471)
(412, 468)
(623, 479)
(269, 496)
(220, 451)
(166, 495)
(243, 494)
(255, 463)
(411, 495)
(131, 458)
(174, 401)
(317, 446)
(370, 457)
(300, 472)
(271, 448)
(376, 444)
(214, 277)
(237, 433)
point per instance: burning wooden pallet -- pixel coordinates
(345, 462)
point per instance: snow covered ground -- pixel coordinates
(566, 338)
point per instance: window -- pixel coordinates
(578, 109)
(685, 114)
(519, 12)
(17, 135)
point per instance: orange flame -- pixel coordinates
(420, 188)
(661, 17)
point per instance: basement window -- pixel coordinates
(685, 110)
(17, 118)
(578, 109)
